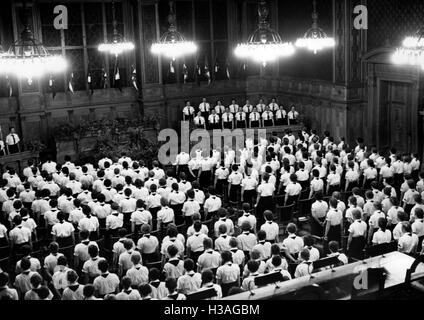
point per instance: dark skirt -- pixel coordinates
(188, 117)
(205, 179)
(149, 257)
(205, 115)
(291, 200)
(64, 242)
(220, 186)
(234, 192)
(228, 125)
(154, 213)
(227, 286)
(249, 196)
(183, 168)
(192, 178)
(352, 185)
(356, 248)
(241, 124)
(265, 203)
(316, 228)
(335, 233)
(254, 124)
(268, 123)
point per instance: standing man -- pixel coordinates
(227, 119)
(12, 141)
(188, 112)
(204, 108)
(293, 116)
(234, 107)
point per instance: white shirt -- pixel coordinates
(12, 139)
(382, 237)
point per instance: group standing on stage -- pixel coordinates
(239, 117)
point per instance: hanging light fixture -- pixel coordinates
(264, 45)
(172, 44)
(315, 39)
(412, 50)
(118, 44)
(28, 58)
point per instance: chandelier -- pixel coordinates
(28, 58)
(315, 39)
(172, 44)
(412, 50)
(264, 45)
(118, 44)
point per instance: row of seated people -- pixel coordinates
(222, 266)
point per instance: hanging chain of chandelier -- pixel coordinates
(172, 44)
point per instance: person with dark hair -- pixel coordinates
(38, 291)
(148, 245)
(106, 282)
(60, 277)
(247, 216)
(172, 238)
(195, 244)
(174, 268)
(19, 235)
(114, 221)
(263, 247)
(293, 244)
(207, 283)
(234, 181)
(228, 274)
(408, 242)
(212, 204)
(314, 254)
(63, 231)
(334, 222)
(190, 207)
(357, 236)
(124, 260)
(23, 280)
(90, 269)
(81, 254)
(383, 235)
(210, 259)
(159, 290)
(171, 285)
(128, 293)
(373, 222)
(293, 191)
(248, 283)
(26, 254)
(246, 239)
(191, 281)
(74, 290)
(88, 292)
(223, 219)
(138, 273)
(7, 293)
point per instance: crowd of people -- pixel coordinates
(119, 229)
(239, 117)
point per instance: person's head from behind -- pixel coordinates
(333, 246)
(88, 291)
(53, 247)
(93, 251)
(233, 243)
(25, 264)
(72, 277)
(419, 213)
(145, 290)
(103, 265)
(252, 266)
(304, 255)
(291, 228)
(188, 265)
(172, 251)
(171, 284)
(35, 280)
(207, 276)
